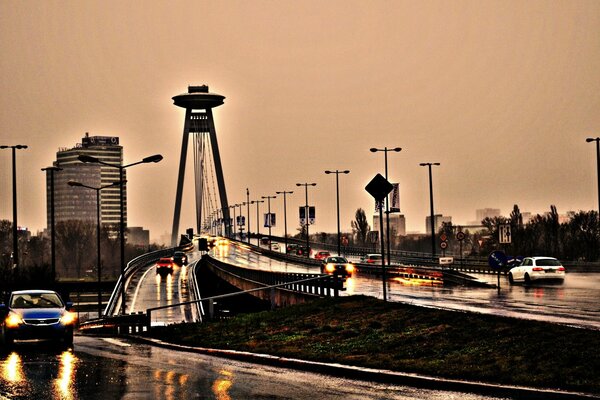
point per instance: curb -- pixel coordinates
(377, 375)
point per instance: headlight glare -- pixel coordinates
(349, 268)
(329, 267)
(13, 320)
(68, 318)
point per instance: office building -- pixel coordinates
(438, 221)
(77, 203)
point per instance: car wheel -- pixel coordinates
(511, 279)
(527, 278)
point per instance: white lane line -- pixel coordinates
(137, 289)
(116, 342)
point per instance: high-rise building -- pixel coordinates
(438, 220)
(80, 203)
(484, 213)
(397, 224)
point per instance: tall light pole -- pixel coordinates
(306, 221)
(14, 188)
(51, 171)
(240, 224)
(248, 213)
(431, 215)
(257, 219)
(597, 140)
(337, 192)
(269, 214)
(98, 256)
(385, 150)
(284, 218)
(152, 159)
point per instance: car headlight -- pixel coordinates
(68, 318)
(349, 268)
(329, 267)
(13, 320)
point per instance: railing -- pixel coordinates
(132, 266)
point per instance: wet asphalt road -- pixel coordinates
(576, 302)
(102, 368)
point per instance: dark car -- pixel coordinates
(180, 258)
(37, 314)
(338, 264)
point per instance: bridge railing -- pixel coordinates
(131, 267)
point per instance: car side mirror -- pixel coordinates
(69, 305)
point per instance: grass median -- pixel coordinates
(364, 331)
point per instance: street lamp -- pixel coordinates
(97, 189)
(269, 214)
(432, 222)
(337, 191)
(387, 199)
(597, 140)
(247, 203)
(306, 185)
(151, 159)
(257, 219)
(284, 217)
(51, 170)
(14, 188)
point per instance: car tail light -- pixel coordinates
(537, 269)
(561, 268)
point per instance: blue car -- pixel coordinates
(37, 314)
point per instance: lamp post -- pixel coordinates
(597, 140)
(431, 217)
(99, 269)
(385, 150)
(306, 185)
(14, 188)
(269, 214)
(248, 213)
(152, 159)
(337, 191)
(51, 170)
(257, 219)
(284, 217)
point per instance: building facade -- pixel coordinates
(78, 203)
(438, 220)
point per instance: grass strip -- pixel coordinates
(364, 331)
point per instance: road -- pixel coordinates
(574, 303)
(103, 368)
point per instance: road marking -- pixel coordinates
(116, 342)
(132, 305)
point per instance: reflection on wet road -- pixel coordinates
(98, 368)
(575, 302)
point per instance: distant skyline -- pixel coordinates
(501, 93)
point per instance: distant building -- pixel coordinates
(397, 224)
(77, 203)
(484, 213)
(438, 220)
(138, 236)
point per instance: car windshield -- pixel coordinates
(36, 300)
(548, 262)
(337, 260)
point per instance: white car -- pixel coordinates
(537, 268)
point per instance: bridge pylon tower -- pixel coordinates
(198, 103)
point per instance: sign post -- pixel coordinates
(379, 188)
(497, 260)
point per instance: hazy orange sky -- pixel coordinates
(501, 93)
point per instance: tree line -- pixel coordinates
(577, 239)
(76, 254)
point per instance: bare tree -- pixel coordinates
(360, 226)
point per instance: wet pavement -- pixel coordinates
(103, 368)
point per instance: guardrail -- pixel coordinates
(131, 267)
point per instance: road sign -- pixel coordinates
(444, 245)
(443, 237)
(446, 260)
(504, 234)
(497, 260)
(379, 187)
(460, 236)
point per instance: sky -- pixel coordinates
(502, 94)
